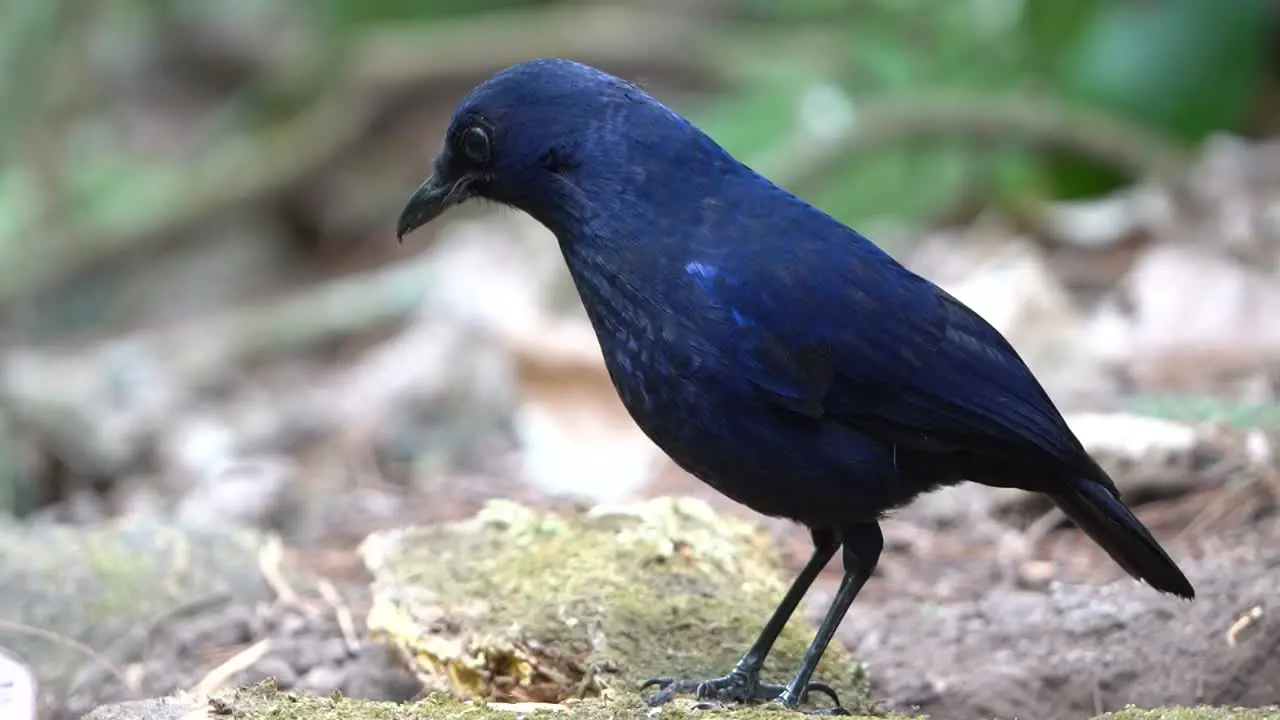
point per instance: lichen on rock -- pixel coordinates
(522, 605)
(265, 702)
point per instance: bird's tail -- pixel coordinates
(1106, 519)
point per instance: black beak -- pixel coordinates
(431, 199)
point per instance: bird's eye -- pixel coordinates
(475, 144)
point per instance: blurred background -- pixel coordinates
(206, 322)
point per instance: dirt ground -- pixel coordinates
(965, 621)
(962, 621)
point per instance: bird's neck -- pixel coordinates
(627, 229)
(612, 282)
(605, 237)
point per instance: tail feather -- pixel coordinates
(1106, 519)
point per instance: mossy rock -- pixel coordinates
(264, 702)
(517, 605)
(67, 588)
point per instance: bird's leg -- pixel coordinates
(862, 547)
(742, 684)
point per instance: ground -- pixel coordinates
(958, 625)
(950, 625)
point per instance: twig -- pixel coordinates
(388, 64)
(1039, 121)
(467, 49)
(242, 660)
(243, 171)
(1098, 706)
(196, 352)
(1242, 623)
(1220, 506)
(76, 645)
(1042, 526)
(341, 612)
(270, 556)
(126, 644)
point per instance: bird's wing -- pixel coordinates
(974, 391)
(887, 351)
(796, 356)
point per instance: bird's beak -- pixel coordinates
(431, 199)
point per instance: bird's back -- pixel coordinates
(807, 374)
(869, 344)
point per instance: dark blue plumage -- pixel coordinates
(771, 351)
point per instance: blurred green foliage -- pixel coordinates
(1181, 69)
(350, 13)
(1185, 66)
(1208, 409)
(1176, 68)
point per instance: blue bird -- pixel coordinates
(771, 351)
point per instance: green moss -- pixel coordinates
(517, 605)
(264, 701)
(1195, 713)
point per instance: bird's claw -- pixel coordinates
(825, 689)
(736, 687)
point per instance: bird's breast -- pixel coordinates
(662, 372)
(658, 335)
(654, 376)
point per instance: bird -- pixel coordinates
(770, 350)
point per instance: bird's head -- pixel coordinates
(544, 135)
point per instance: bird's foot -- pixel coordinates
(787, 701)
(736, 687)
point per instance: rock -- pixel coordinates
(17, 689)
(377, 672)
(108, 588)
(1171, 340)
(264, 702)
(253, 492)
(518, 605)
(183, 707)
